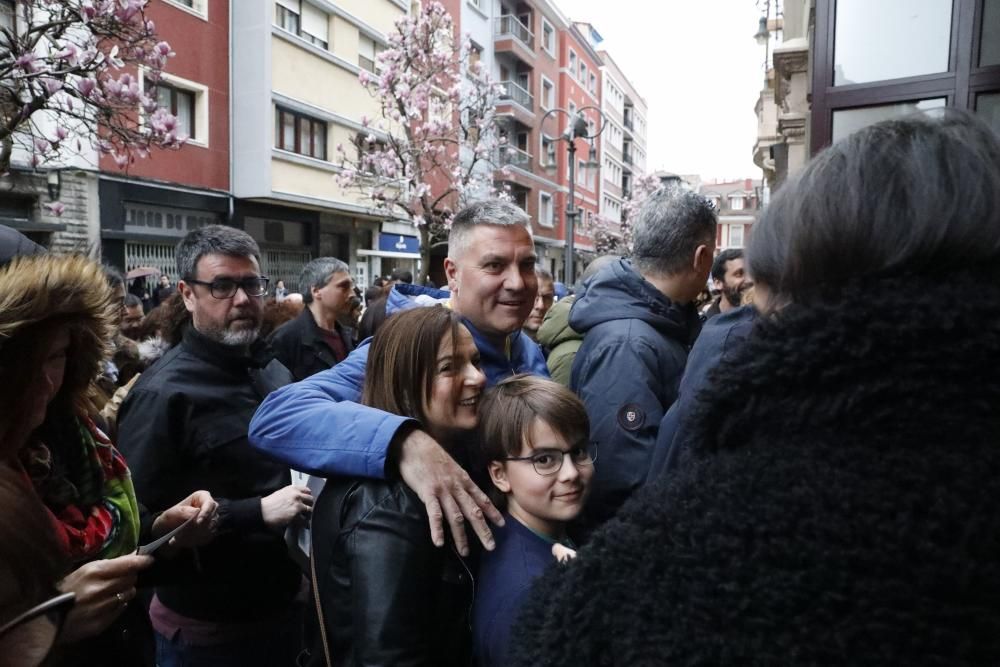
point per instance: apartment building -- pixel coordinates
(738, 203)
(149, 205)
(297, 96)
(624, 139)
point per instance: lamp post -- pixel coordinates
(576, 129)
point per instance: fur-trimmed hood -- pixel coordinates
(37, 288)
(838, 505)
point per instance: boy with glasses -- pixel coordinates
(534, 435)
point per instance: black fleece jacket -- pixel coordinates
(837, 505)
(182, 428)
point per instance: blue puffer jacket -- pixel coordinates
(317, 425)
(635, 345)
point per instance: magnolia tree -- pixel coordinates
(69, 81)
(614, 238)
(432, 147)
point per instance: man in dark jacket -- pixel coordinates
(638, 323)
(730, 279)
(184, 427)
(314, 341)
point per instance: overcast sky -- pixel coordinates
(700, 71)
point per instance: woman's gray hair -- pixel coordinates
(317, 273)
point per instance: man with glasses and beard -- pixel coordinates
(184, 426)
(731, 279)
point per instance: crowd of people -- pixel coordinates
(494, 473)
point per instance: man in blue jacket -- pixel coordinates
(638, 322)
(318, 426)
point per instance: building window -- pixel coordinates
(475, 57)
(315, 26)
(304, 20)
(548, 38)
(735, 236)
(583, 73)
(548, 94)
(366, 53)
(286, 15)
(892, 39)
(547, 150)
(298, 133)
(572, 63)
(181, 103)
(581, 173)
(736, 202)
(848, 121)
(593, 83)
(545, 217)
(7, 15)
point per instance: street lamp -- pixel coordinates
(577, 128)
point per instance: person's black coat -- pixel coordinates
(183, 427)
(300, 346)
(720, 338)
(626, 372)
(389, 596)
(839, 505)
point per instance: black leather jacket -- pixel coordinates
(389, 596)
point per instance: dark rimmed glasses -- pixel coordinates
(29, 637)
(225, 288)
(549, 461)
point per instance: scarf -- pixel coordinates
(89, 495)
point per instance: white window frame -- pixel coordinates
(198, 8)
(732, 237)
(551, 222)
(200, 92)
(584, 70)
(551, 48)
(374, 59)
(734, 199)
(543, 155)
(572, 63)
(552, 87)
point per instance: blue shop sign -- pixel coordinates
(398, 243)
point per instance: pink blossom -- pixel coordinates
(57, 208)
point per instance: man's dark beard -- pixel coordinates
(734, 295)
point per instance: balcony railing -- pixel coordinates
(515, 93)
(629, 124)
(508, 24)
(627, 157)
(515, 157)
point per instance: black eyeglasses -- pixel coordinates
(550, 461)
(32, 635)
(225, 288)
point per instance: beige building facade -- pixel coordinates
(296, 97)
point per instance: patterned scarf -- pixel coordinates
(89, 494)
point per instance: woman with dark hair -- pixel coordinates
(837, 503)
(388, 595)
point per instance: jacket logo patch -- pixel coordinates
(631, 417)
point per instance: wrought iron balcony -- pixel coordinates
(508, 24)
(515, 93)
